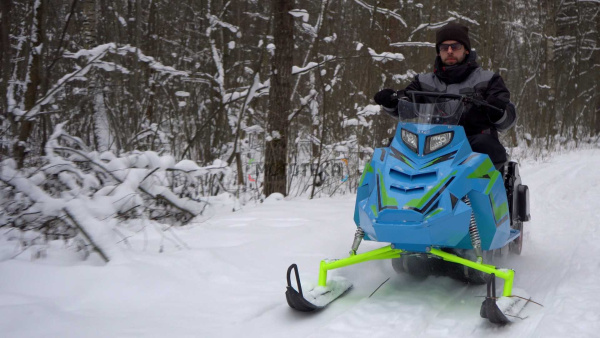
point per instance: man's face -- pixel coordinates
(452, 56)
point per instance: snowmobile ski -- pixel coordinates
(503, 310)
(313, 297)
(309, 297)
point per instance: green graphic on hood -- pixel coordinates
(386, 201)
(484, 170)
(493, 179)
(367, 168)
(440, 159)
(499, 211)
(374, 209)
(434, 212)
(405, 160)
(418, 203)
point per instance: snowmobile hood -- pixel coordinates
(412, 193)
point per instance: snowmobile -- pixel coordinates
(443, 209)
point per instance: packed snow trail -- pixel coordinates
(230, 280)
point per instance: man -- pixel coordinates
(456, 71)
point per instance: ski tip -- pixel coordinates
(309, 297)
(490, 311)
(505, 310)
(297, 301)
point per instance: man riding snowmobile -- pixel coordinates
(434, 193)
(456, 72)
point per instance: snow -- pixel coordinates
(350, 122)
(300, 13)
(412, 44)
(253, 129)
(464, 18)
(310, 65)
(94, 59)
(431, 25)
(370, 109)
(310, 30)
(187, 166)
(225, 276)
(331, 38)
(399, 78)
(382, 10)
(385, 56)
(274, 198)
(323, 295)
(214, 21)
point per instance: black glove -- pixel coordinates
(478, 96)
(494, 114)
(387, 98)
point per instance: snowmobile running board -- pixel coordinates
(317, 297)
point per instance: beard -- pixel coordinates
(451, 60)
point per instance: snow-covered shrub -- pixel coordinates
(85, 194)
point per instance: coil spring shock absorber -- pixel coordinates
(474, 232)
(358, 236)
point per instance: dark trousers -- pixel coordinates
(490, 145)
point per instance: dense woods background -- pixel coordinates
(150, 82)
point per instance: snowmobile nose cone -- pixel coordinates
(406, 215)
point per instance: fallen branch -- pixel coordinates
(85, 234)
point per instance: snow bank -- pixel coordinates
(274, 198)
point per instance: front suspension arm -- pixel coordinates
(388, 252)
(506, 274)
(382, 253)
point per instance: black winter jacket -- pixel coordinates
(487, 86)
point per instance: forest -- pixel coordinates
(121, 109)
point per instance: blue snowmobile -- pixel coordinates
(445, 209)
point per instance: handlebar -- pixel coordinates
(434, 94)
(464, 98)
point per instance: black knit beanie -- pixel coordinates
(453, 31)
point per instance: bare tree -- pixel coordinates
(35, 80)
(279, 98)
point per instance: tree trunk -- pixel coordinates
(548, 71)
(240, 170)
(33, 86)
(596, 63)
(103, 135)
(5, 67)
(279, 98)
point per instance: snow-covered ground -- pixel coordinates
(225, 277)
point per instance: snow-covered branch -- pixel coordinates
(90, 191)
(384, 11)
(413, 44)
(94, 59)
(385, 56)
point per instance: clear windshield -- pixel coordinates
(436, 110)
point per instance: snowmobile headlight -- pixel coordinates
(435, 142)
(411, 140)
